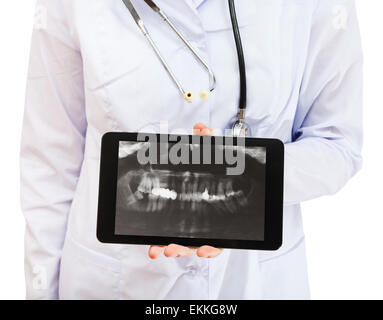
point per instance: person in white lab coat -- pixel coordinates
(92, 71)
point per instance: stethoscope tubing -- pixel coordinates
(239, 126)
(144, 30)
(164, 63)
(187, 43)
(241, 56)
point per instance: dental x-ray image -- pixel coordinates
(190, 201)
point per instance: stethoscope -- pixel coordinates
(239, 127)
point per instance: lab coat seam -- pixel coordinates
(212, 98)
(208, 280)
(119, 287)
(292, 249)
(197, 15)
(201, 47)
(92, 256)
(198, 4)
(103, 90)
(333, 83)
(112, 81)
(345, 153)
(108, 110)
(305, 64)
(213, 27)
(49, 34)
(225, 29)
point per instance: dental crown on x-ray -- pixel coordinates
(155, 188)
(190, 191)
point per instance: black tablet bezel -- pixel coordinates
(273, 198)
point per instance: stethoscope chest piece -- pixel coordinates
(240, 129)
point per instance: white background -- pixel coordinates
(344, 232)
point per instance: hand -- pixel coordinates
(174, 250)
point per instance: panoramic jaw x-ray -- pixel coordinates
(211, 200)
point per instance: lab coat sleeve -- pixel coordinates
(327, 135)
(52, 145)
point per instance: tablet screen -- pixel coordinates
(191, 190)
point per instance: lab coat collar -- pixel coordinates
(194, 4)
(184, 13)
(197, 3)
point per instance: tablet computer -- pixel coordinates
(158, 189)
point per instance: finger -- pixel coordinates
(208, 252)
(201, 129)
(199, 126)
(175, 250)
(156, 251)
(206, 132)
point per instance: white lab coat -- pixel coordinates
(92, 72)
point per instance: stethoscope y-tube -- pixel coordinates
(239, 127)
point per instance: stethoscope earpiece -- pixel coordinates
(189, 96)
(204, 95)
